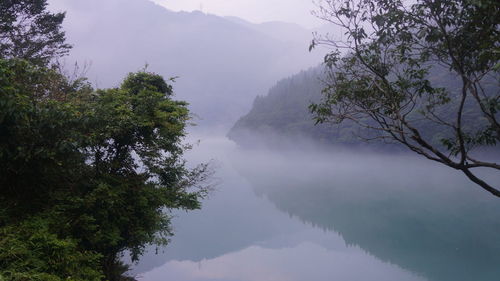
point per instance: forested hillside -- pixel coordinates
(283, 117)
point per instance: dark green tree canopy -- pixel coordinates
(85, 174)
(28, 31)
(99, 168)
(387, 71)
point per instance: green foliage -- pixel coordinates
(103, 165)
(37, 135)
(385, 75)
(30, 32)
(31, 251)
(84, 174)
(283, 113)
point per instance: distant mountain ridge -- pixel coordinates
(283, 31)
(221, 64)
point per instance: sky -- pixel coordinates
(256, 11)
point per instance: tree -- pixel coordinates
(31, 251)
(422, 73)
(85, 174)
(29, 31)
(97, 170)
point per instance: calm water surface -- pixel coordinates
(336, 215)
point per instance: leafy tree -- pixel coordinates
(383, 69)
(31, 251)
(84, 174)
(29, 31)
(100, 168)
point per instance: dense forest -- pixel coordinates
(85, 174)
(283, 117)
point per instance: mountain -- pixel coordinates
(221, 63)
(281, 31)
(282, 116)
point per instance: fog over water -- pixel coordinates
(301, 212)
(323, 214)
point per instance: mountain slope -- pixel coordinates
(222, 65)
(283, 118)
(283, 115)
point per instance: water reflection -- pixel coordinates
(306, 261)
(412, 213)
(331, 216)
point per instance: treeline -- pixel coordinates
(85, 174)
(283, 117)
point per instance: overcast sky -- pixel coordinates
(257, 11)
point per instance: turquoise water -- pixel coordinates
(331, 215)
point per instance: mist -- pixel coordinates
(287, 206)
(220, 63)
(294, 214)
(290, 200)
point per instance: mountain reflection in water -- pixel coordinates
(332, 215)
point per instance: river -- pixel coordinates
(330, 215)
